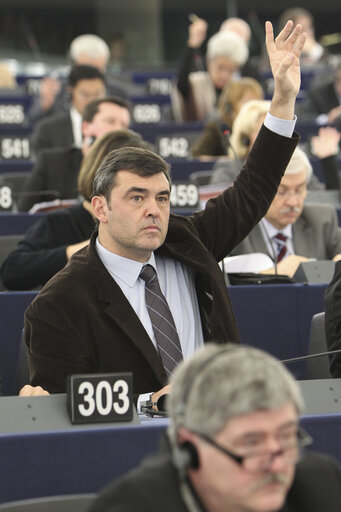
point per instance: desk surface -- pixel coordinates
(73, 460)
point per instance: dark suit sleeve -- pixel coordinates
(37, 257)
(41, 137)
(333, 319)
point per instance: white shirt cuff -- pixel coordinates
(142, 398)
(283, 127)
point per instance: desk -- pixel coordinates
(79, 461)
(277, 318)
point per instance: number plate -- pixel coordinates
(184, 195)
(100, 398)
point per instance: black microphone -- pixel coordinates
(225, 132)
(310, 356)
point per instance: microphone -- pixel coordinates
(225, 132)
(274, 258)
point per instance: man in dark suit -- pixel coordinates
(86, 84)
(55, 173)
(234, 444)
(291, 231)
(93, 316)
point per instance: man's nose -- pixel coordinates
(153, 208)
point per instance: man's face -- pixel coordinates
(85, 91)
(221, 70)
(223, 484)
(289, 201)
(109, 117)
(135, 220)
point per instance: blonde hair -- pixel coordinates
(233, 92)
(245, 123)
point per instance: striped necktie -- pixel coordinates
(281, 242)
(162, 321)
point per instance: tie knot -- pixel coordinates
(148, 273)
(281, 237)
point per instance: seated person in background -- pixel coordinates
(233, 444)
(314, 54)
(56, 171)
(333, 320)
(53, 98)
(212, 142)
(95, 315)
(85, 84)
(55, 237)
(326, 146)
(198, 92)
(291, 231)
(245, 129)
(323, 101)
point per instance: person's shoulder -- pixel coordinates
(54, 119)
(317, 484)
(51, 154)
(320, 211)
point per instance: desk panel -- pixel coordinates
(74, 461)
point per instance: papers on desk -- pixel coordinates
(254, 262)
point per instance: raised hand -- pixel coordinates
(284, 53)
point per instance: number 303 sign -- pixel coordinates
(98, 398)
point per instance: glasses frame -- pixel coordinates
(303, 440)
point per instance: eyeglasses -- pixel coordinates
(292, 452)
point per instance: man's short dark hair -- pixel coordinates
(92, 108)
(84, 72)
(132, 159)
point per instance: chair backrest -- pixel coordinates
(7, 244)
(318, 368)
(200, 178)
(15, 181)
(64, 503)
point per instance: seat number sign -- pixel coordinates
(100, 398)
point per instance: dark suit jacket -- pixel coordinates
(154, 486)
(56, 170)
(82, 322)
(316, 234)
(53, 132)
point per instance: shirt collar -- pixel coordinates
(122, 268)
(272, 231)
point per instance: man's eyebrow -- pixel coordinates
(142, 190)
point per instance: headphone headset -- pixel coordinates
(186, 455)
(245, 140)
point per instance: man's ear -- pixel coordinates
(100, 208)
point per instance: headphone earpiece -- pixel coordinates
(245, 140)
(186, 456)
